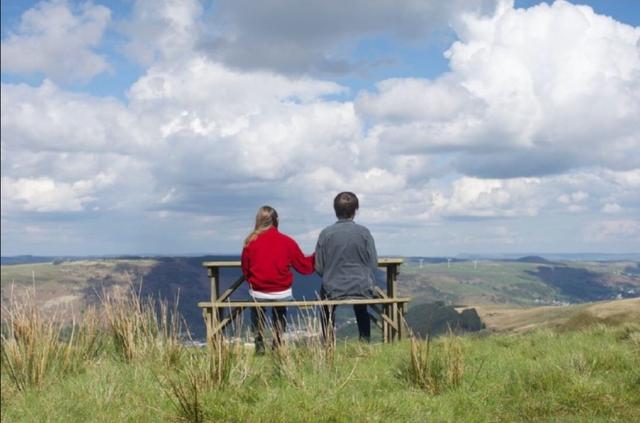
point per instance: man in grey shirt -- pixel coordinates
(347, 260)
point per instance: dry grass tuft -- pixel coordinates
(139, 327)
(222, 365)
(34, 347)
(436, 367)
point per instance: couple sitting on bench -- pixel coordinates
(345, 258)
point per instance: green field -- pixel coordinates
(517, 283)
(591, 375)
(129, 363)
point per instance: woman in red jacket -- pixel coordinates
(267, 258)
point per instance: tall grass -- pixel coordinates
(35, 347)
(222, 364)
(589, 375)
(436, 367)
(140, 326)
(585, 375)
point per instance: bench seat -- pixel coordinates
(303, 303)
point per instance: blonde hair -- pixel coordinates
(266, 217)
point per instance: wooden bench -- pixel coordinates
(388, 308)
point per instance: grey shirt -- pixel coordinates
(347, 260)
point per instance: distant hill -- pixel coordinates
(529, 281)
(78, 283)
(74, 283)
(532, 259)
(560, 317)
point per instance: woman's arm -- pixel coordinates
(303, 264)
(245, 263)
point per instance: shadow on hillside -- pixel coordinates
(577, 283)
(432, 319)
(183, 280)
(633, 270)
(190, 279)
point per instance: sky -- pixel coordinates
(475, 126)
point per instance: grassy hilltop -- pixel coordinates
(138, 372)
(125, 362)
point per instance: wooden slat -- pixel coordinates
(233, 263)
(294, 303)
(387, 261)
(375, 321)
(227, 293)
(382, 262)
(384, 316)
(392, 310)
(380, 292)
(227, 320)
(401, 321)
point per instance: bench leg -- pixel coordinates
(385, 324)
(211, 322)
(206, 313)
(394, 317)
(400, 321)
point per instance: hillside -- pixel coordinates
(567, 317)
(588, 375)
(528, 282)
(564, 363)
(496, 288)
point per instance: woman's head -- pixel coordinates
(266, 217)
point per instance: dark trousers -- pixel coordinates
(362, 318)
(258, 324)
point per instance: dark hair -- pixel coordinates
(345, 204)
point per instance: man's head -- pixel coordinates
(345, 204)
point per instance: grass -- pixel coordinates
(34, 347)
(591, 374)
(436, 368)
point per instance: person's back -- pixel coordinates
(267, 263)
(347, 260)
(267, 258)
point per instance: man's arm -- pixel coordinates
(372, 253)
(320, 259)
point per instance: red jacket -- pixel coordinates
(267, 261)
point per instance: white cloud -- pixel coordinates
(58, 41)
(290, 36)
(623, 229)
(530, 92)
(489, 198)
(46, 195)
(197, 138)
(611, 208)
(46, 118)
(242, 124)
(162, 30)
